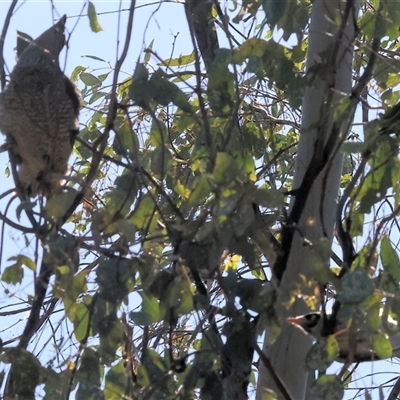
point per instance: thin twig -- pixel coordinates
(2, 39)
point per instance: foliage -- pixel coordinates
(184, 173)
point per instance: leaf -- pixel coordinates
(94, 23)
(79, 315)
(274, 10)
(179, 61)
(327, 387)
(13, 274)
(119, 200)
(111, 340)
(201, 188)
(161, 160)
(148, 52)
(139, 90)
(113, 278)
(76, 72)
(57, 385)
(25, 372)
(356, 287)
(150, 312)
(164, 92)
(352, 147)
(158, 133)
(89, 79)
(58, 206)
(95, 58)
(322, 354)
(225, 169)
(145, 216)
(22, 260)
(88, 376)
(116, 382)
(126, 141)
(96, 96)
(390, 258)
(381, 345)
(251, 47)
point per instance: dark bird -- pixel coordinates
(354, 343)
(39, 111)
(390, 121)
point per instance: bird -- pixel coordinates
(354, 342)
(39, 111)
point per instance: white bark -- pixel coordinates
(287, 354)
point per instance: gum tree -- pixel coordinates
(207, 190)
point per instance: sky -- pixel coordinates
(166, 25)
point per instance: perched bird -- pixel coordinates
(39, 111)
(355, 344)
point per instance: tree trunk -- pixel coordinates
(329, 81)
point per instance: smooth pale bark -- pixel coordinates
(288, 353)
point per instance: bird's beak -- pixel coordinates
(299, 321)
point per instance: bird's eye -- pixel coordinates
(312, 320)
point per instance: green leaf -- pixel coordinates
(154, 364)
(225, 169)
(148, 52)
(89, 79)
(322, 354)
(57, 385)
(25, 372)
(356, 287)
(111, 339)
(179, 61)
(145, 216)
(22, 260)
(158, 133)
(252, 47)
(150, 311)
(95, 58)
(352, 147)
(160, 161)
(76, 72)
(88, 376)
(381, 345)
(58, 206)
(79, 315)
(390, 258)
(201, 189)
(126, 141)
(164, 92)
(13, 274)
(119, 200)
(92, 15)
(274, 10)
(327, 387)
(113, 278)
(96, 96)
(139, 90)
(116, 382)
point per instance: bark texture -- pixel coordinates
(316, 180)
